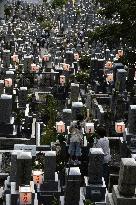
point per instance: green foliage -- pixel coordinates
(58, 3)
(46, 25)
(108, 33)
(8, 10)
(49, 133)
(88, 202)
(83, 77)
(125, 28)
(84, 62)
(55, 201)
(40, 19)
(78, 12)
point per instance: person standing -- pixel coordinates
(103, 142)
(75, 145)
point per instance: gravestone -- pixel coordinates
(95, 184)
(124, 192)
(74, 92)
(117, 66)
(50, 187)
(95, 165)
(120, 84)
(132, 119)
(67, 116)
(26, 148)
(22, 96)
(77, 109)
(6, 59)
(24, 168)
(5, 108)
(72, 191)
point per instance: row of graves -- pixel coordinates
(35, 63)
(25, 185)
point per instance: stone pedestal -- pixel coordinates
(124, 192)
(95, 192)
(72, 191)
(115, 198)
(51, 185)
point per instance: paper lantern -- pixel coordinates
(66, 67)
(89, 127)
(120, 127)
(25, 195)
(108, 65)
(37, 177)
(60, 127)
(15, 58)
(46, 58)
(8, 82)
(33, 67)
(62, 79)
(120, 53)
(109, 77)
(76, 56)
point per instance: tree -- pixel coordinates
(123, 25)
(49, 133)
(58, 3)
(88, 202)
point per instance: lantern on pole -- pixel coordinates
(89, 127)
(66, 67)
(46, 58)
(25, 195)
(33, 67)
(108, 65)
(8, 82)
(15, 58)
(120, 127)
(37, 177)
(60, 127)
(109, 77)
(62, 79)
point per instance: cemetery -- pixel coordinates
(67, 103)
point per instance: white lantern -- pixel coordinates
(108, 65)
(46, 58)
(120, 127)
(62, 79)
(8, 82)
(25, 195)
(15, 58)
(109, 77)
(66, 67)
(60, 127)
(89, 127)
(37, 177)
(76, 56)
(33, 67)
